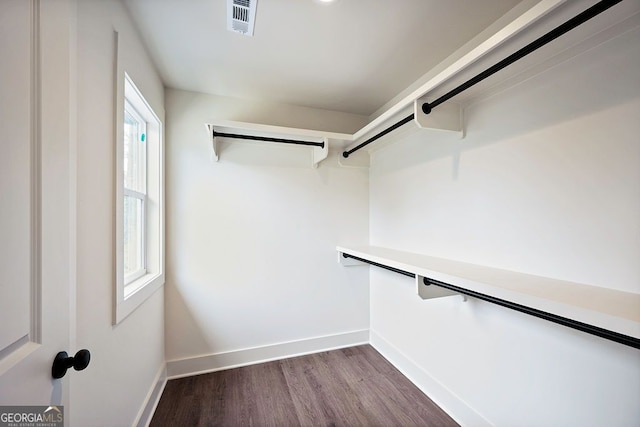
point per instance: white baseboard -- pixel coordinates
(250, 356)
(452, 404)
(153, 397)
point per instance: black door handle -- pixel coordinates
(62, 362)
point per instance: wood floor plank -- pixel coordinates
(273, 403)
(377, 403)
(349, 387)
(311, 408)
(335, 390)
(406, 393)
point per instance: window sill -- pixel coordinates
(136, 293)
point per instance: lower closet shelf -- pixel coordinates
(607, 313)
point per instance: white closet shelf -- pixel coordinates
(317, 139)
(277, 131)
(592, 306)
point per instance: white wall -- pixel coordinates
(125, 358)
(252, 271)
(546, 182)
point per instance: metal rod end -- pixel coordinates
(345, 154)
(426, 108)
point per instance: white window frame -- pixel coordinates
(131, 291)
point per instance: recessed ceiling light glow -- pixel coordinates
(324, 1)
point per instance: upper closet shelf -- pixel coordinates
(447, 119)
(318, 140)
(515, 38)
(505, 46)
(607, 313)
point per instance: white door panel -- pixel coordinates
(36, 221)
(15, 168)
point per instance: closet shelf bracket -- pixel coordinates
(214, 143)
(448, 117)
(320, 152)
(426, 290)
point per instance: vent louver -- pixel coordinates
(241, 16)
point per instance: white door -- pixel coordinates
(36, 195)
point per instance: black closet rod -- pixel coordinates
(267, 139)
(569, 25)
(395, 126)
(574, 22)
(574, 324)
(580, 326)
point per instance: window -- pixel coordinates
(139, 202)
(135, 194)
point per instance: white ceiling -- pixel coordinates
(351, 55)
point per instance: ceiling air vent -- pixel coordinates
(241, 16)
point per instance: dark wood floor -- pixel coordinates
(350, 387)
